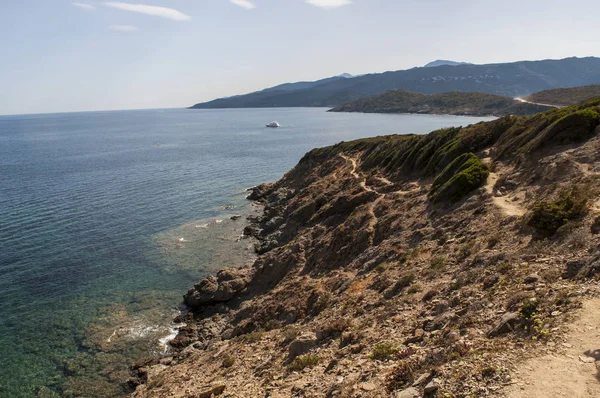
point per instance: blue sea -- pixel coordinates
(107, 218)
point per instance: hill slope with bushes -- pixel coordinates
(565, 96)
(454, 103)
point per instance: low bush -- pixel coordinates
(384, 351)
(228, 361)
(459, 178)
(289, 334)
(547, 217)
(530, 308)
(334, 329)
(304, 361)
(402, 374)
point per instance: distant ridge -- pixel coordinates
(516, 79)
(565, 96)
(444, 62)
(454, 103)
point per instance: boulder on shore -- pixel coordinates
(218, 289)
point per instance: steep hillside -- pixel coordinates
(455, 103)
(405, 266)
(565, 96)
(509, 79)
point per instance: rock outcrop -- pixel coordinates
(218, 289)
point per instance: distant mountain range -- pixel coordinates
(453, 103)
(516, 79)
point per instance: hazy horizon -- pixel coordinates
(65, 56)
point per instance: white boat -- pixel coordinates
(273, 124)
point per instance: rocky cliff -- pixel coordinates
(402, 266)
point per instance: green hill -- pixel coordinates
(454, 103)
(565, 96)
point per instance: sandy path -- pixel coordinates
(570, 374)
(508, 208)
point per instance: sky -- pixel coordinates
(65, 56)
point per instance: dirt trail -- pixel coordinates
(363, 183)
(570, 374)
(535, 103)
(508, 208)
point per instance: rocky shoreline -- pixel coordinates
(402, 266)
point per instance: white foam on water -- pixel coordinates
(139, 332)
(173, 330)
(202, 226)
(111, 336)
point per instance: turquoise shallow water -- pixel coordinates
(103, 226)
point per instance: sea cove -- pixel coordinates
(107, 218)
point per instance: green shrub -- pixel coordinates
(416, 288)
(548, 217)
(228, 361)
(438, 263)
(304, 361)
(289, 334)
(383, 351)
(529, 308)
(488, 372)
(460, 177)
(334, 328)
(575, 127)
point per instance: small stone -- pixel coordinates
(596, 226)
(212, 392)
(505, 325)
(418, 336)
(410, 392)
(567, 345)
(301, 346)
(531, 279)
(555, 313)
(453, 336)
(586, 359)
(431, 387)
(368, 386)
(422, 379)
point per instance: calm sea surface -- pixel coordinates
(106, 218)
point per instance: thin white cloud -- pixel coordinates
(84, 6)
(329, 3)
(244, 3)
(162, 12)
(124, 28)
